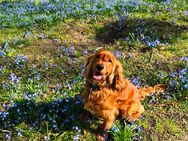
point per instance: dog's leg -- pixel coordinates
(110, 117)
(106, 125)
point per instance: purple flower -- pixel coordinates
(46, 138)
(167, 1)
(76, 128)
(14, 78)
(153, 44)
(20, 60)
(185, 86)
(76, 137)
(72, 49)
(55, 40)
(54, 127)
(173, 74)
(20, 11)
(41, 36)
(169, 9)
(8, 136)
(4, 115)
(72, 117)
(19, 133)
(43, 1)
(37, 76)
(2, 54)
(105, 136)
(186, 13)
(136, 82)
(85, 51)
(6, 46)
(114, 128)
(185, 59)
(168, 97)
(27, 35)
(139, 128)
(182, 71)
(117, 54)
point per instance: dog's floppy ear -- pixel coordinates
(88, 66)
(118, 80)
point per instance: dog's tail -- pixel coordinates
(146, 91)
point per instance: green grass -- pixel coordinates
(39, 94)
(165, 121)
(123, 131)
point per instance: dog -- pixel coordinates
(108, 94)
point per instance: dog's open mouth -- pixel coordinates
(97, 76)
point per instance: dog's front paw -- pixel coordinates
(100, 137)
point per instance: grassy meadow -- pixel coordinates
(43, 47)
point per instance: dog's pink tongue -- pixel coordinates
(97, 77)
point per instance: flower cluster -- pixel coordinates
(6, 50)
(33, 100)
(179, 79)
(125, 131)
(14, 79)
(27, 13)
(51, 112)
(136, 81)
(20, 60)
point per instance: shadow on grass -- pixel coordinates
(55, 116)
(134, 30)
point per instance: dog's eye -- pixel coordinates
(110, 60)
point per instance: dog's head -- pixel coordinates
(102, 69)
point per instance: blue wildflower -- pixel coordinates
(76, 128)
(153, 44)
(186, 13)
(43, 1)
(4, 115)
(54, 127)
(46, 138)
(105, 136)
(19, 133)
(20, 60)
(2, 54)
(117, 54)
(173, 74)
(185, 86)
(37, 76)
(185, 59)
(114, 128)
(139, 128)
(14, 78)
(183, 71)
(41, 36)
(27, 35)
(136, 82)
(6, 46)
(72, 49)
(167, 1)
(8, 136)
(76, 137)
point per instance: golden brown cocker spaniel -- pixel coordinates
(108, 94)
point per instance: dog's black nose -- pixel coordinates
(100, 67)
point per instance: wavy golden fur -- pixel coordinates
(108, 94)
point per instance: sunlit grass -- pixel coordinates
(42, 57)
